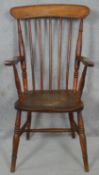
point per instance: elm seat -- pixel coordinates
(54, 101)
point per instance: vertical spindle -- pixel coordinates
(68, 52)
(31, 53)
(59, 52)
(50, 54)
(41, 54)
(22, 54)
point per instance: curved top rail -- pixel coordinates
(50, 10)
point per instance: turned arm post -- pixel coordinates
(78, 53)
(82, 80)
(17, 81)
(87, 63)
(13, 63)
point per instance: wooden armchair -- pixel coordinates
(53, 100)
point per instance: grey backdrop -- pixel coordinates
(8, 49)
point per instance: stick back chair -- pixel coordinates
(67, 100)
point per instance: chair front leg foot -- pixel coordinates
(16, 139)
(28, 125)
(83, 142)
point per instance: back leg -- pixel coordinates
(28, 124)
(71, 118)
(16, 138)
(83, 142)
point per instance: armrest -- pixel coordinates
(85, 61)
(14, 61)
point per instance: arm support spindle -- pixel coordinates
(13, 63)
(87, 63)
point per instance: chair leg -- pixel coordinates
(28, 125)
(71, 117)
(83, 142)
(16, 139)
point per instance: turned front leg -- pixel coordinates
(83, 142)
(16, 138)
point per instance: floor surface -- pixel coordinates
(48, 154)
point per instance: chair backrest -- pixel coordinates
(60, 13)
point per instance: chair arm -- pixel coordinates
(85, 61)
(14, 61)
